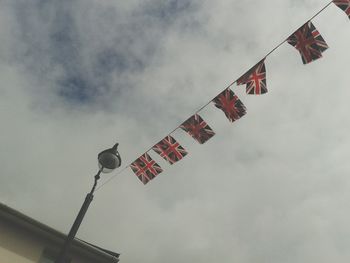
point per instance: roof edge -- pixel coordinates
(78, 245)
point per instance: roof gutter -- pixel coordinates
(78, 246)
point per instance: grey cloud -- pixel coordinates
(89, 53)
(79, 75)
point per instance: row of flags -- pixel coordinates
(310, 44)
(171, 151)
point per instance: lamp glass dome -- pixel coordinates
(109, 159)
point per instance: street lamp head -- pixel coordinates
(109, 159)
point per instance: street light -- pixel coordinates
(108, 160)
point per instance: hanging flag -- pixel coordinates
(230, 104)
(321, 43)
(198, 129)
(255, 79)
(343, 5)
(308, 41)
(170, 149)
(145, 168)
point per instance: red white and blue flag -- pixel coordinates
(230, 104)
(255, 79)
(145, 168)
(321, 43)
(170, 149)
(308, 41)
(198, 129)
(343, 5)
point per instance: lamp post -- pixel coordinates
(108, 160)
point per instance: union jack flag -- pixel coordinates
(308, 41)
(170, 149)
(321, 43)
(230, 104)
(255, 79)
(343, 5)
(198, 129)
(145, 168)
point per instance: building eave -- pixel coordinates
(78, 246)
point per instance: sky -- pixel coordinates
(80, 75)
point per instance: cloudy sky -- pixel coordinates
(79, 75)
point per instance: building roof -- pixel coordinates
(78, 245)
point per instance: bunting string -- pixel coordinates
(309, 43)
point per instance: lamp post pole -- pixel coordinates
(74, 229)
(108, 161)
